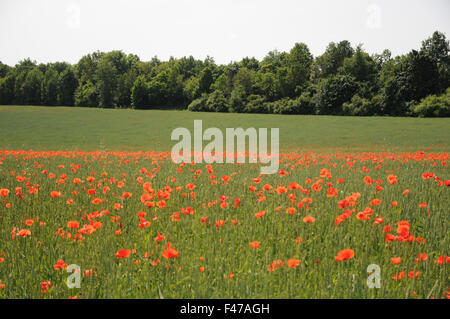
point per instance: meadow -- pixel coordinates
(97, 188)
(88, 129)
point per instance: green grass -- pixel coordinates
(59, 128)
(337, 144)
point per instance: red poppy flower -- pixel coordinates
(55, 194)
(260, 214)
(293, 263)
(4, 192)
(421, 257)
(375, 202)
(73, 224)
(169, 252)
(159, 237)
(24, 233)
(345, 255)
(254, 244)
(60, 264)
(309, 219)
(123, 253)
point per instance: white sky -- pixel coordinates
(61, 30)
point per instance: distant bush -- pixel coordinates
(333, 92)
(282, 106)
(237, 100)
(256, 104)
(434, 106)
(139, 93)
(199, 104)
(301, 105)
(216, 102)
(360, 106)
(86, 95)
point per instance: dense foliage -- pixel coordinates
(342, 81)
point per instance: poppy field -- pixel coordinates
(333, 219)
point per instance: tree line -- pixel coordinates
(342, 81)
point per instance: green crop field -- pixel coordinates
(350, 192)
(87, 129)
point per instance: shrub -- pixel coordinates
(301, 105)
(86, 95)
(199, 105)
(283, 106)
(237, 99)
(216, 102)
(434, 106)
(139, 93)
(361, 106)
(333, 92)
(305, 104)
(255, 104)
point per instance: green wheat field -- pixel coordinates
(97, 188)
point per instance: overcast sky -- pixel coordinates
(60, 30)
